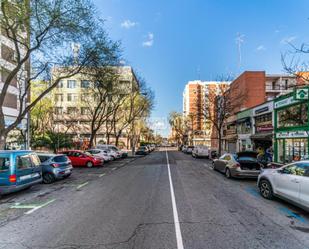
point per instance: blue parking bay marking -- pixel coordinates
(253, 191)
(290, 213)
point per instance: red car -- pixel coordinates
(79, 158)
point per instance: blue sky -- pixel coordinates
(171, 42)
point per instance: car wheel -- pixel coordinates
(228, 173)
(48, 178)
(266, 189)
(89, 164)
(212, 165)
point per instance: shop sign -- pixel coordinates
(292, 134)
(261, 110)
(267, 127)
(285, 102)
(302, 94)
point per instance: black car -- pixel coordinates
(143, 150)
(55, 167)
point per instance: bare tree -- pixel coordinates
(44, 31)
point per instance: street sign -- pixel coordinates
(302, 94)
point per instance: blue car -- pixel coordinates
(19, 169)
(55, 167)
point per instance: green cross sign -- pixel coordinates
(302, 94)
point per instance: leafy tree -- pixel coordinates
(44, 31)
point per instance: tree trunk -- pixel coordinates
(220, 144)
(117, 140)
(107, 138)
(92, 136)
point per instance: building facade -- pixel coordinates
(197, 96)
(72, 104)
(291, 125)
(250, 90)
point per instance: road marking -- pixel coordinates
(38, 207)
(82, 185)
(32, 207)
(175, 213)
(114, 168)
(102, 175)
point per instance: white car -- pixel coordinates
(114, 150)
(290, 182)
(200, 151)
(101, 153)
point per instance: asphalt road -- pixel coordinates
(128, 204)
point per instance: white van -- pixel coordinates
(200, 151)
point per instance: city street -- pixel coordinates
(129, 204)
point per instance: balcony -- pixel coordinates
(277, 89)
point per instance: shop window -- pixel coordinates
(296, 115)
(296, 149)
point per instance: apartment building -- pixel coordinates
(17, 87)
(72, 103)
(250, 89)
(197, 96)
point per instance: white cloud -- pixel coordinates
(127, 24)
(260, 48)
(149, 41)
(288, 39)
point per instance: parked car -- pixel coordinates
(242, 165)
(189, 149)
(79, 158)
(184, 149)
(19, 170)
(103, 154)
(142, 150)
(200, 151)
(118, 153)
(290, 182)
(55, 167)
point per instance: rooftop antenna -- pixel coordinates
(198, 73)
(239, 42)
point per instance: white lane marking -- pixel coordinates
(175, 213)
(38, 207)
(102, 175)
(32, 207)
(82, 185)
(114, 168)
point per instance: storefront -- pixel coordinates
(230, 135)
(262, 137)
(291, 126)
(244, 130)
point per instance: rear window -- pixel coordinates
(4, 163)
(43, 158)
(247, 158)
(60, 159)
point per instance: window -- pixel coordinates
(85, 84)
(4, 163)
(77, 154)
(71, 84)
(71, 110)
(296, 115)
(70, 97)
(24, 162)
(84, 110)
(43, 158)
(60, 159)
(58, 97)
(296, 169)
(60, 84)
(58, 110)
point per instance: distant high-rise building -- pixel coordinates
(196, 96)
